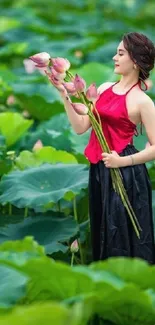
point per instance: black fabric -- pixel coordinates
(112, 232)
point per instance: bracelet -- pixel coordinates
(132, 160)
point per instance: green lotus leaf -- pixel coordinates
(79, 142)
(47, 313)
(8, 23)
(49, 232)
(17, 48)
(38, 186)
(12, 286)
(26, 159)
(128, 306)
(117, 300)
(18, 252)
(40, 156)
(41, 100)
(54, 132)
(13, 126)
(28, 244)
(99, 72)
(63, 283)
(135, 270)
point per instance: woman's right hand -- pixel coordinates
(58, 86)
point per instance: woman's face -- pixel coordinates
(123, 63)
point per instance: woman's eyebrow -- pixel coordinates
(120, 50)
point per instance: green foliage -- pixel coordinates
(45, 154)
(12, 286)
(13, 126)
(42, 185)
(48, 313)
(51, 232)
(118, 290)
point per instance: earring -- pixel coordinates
(135, 67)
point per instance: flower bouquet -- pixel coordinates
(57, 71)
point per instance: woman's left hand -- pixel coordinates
(111, 160)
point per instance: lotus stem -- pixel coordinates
(76, 219)
(72, 259)
(26, 212)
(59, 206)
(10, 209)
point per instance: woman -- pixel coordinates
(122, 106)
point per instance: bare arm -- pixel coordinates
(80, 124)
(147, 110)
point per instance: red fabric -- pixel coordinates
(117, 127)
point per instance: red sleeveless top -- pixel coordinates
(117, 127)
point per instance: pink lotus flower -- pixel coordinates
(80, 108)
(57, 75)
(29, 65)
(74, 246)
(61, 65)
(91, 93)
(79, 83)
(38, 145)
(41, 59)
(52, 79)
(69, 86)
(55, 81)
(10, 100)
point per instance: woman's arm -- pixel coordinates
(147, 111)
(113, 160)
(80, 124)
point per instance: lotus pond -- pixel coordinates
(44, 174)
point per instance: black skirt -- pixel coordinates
(112, 233)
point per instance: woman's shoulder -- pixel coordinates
(104, 86)
(144, 98)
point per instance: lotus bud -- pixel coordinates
(29, 65)
(41, 70)
(80, 109)
(74, 246)
(91, 93)
(61, 65)
(10, 100)
(26, 114)
(79, 84)
(38, 145)
(41, 59)
(57, 75)
(69, 86)
(53, 80)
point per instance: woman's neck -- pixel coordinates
(127, 81)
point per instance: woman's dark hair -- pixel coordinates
(142, 51)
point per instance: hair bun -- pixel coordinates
(142, 51)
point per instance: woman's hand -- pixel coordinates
(111, 160)
(58, 85)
